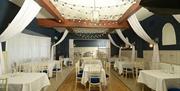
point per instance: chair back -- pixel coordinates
(77, 67)
(94, 72)
(3, 84)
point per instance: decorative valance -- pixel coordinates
(26, 14)
(133, 21)
(62, 38)
(126, 41)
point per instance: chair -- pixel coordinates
(128, 69)
(3, 84)
(43, 68)
(107, 67)
(138, 65)
(95, 78)
(78, 74)
(58, 67)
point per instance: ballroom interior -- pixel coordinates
(89, 45)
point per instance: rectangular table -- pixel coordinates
(159, 80)
(93, 68)
(91, 61)
(26, 81)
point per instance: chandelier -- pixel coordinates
(95, 14)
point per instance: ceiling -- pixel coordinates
(162, 7)
(82, 10)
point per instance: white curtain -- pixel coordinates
(26, 14)
(71, 48)
(24, 47)
(62, 38)
(112, 41)
(177, 17)
(2, 66)
(133, 21)
(126, 41)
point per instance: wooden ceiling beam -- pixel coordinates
(132, 9)
(110, 30)
(49, 23)
(69, 29)
(51, 9)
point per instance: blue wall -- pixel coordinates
(153, 27)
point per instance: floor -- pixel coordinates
(56, 81)
(130, 82)
(114, 84)
(65, 81)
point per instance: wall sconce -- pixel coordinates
(131, 47)
(151, 45)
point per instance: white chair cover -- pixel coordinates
(133, 21)
(62, 38)
(26, 14)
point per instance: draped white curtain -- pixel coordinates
(2, 64)
(71, 48)
(26, 14)
(177, 17)
(62, 38)
(133, 21)
(24, 47)
(112, 41)
(126, 41)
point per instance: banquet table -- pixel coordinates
(91, 61)
(159, 80)
(26, 81)
(121, 64)
(93, 68)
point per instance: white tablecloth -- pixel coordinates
(36, 66)
(93, 68)
(26, 81)
(121, 64)
(91, 61)
(159, 80)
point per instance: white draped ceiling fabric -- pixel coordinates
(177, 17)
(26, 14)
(112, 41)
(62, 38)
(126, 41)
(133, 21)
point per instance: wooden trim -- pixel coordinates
(133, 9)
(51, 9)
(49, 23)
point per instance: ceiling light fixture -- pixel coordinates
(95, 14)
